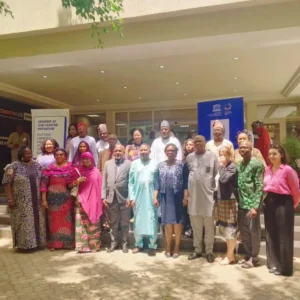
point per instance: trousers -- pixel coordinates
(250, 232)
(198, 222)
(279, 223)
(119, 217)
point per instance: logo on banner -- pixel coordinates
(228, 106)
(216, 108)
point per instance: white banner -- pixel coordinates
(49, 124)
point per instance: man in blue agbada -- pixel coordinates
(142, 175)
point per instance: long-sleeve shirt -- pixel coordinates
(250, 183)
(75, 143)
(17, 139)
(227, 181)
(158, 149)
(284, 181)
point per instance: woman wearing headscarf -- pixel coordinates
(73, 132)
(244, 137)
(132, 151)
(82, 148)
(57, 199)
(88, 204)
(22, 181)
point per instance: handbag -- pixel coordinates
(75, 189)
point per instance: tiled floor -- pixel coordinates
(67, 275)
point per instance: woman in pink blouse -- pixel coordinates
(281, 183)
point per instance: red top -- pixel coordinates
(284, 181)
(263, 143)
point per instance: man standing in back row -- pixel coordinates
(250, 189)
(159, 144)
(203, 168)
(82, 136)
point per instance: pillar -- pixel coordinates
(251, 114)
(110, 121)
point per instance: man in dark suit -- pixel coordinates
(115, 197)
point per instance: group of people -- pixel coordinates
(201, 184)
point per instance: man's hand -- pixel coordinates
(155, 202)
(185, 202)
(132, 203)
(127, 204)
(253, 213)
(105, 202)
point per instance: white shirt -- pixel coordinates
(101, 145)
(158, 149)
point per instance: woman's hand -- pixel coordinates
(155, 202)
(11, 203)
(81, 179)
(44, 204)
(185, 202)
(132, 203)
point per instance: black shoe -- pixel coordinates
(111, 249)
(125, 248)
(152, 252)
(194, 255)
(210, 258)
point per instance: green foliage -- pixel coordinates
(292, 148)
(98, 11)
(5, 9)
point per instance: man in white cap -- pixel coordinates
(159, 144)
(103, 144)
(219, 141)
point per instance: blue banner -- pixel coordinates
(230, 112)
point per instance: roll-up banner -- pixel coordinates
(49, 124)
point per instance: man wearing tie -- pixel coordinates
(115, 197)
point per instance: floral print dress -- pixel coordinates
(27, 215)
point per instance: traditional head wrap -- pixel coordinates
(89, 156)
(164, 123)
(218, 124)
(102, 127)
(81, 124)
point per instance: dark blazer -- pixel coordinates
(228, 181)
(115, 185)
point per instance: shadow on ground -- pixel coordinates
(66, 275)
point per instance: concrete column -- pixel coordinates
(282, 130)
(110, 121)
(251, 114)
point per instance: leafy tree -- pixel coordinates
(5, 9)
(98, 11)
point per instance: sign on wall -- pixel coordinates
(230, 112)
(48, 124)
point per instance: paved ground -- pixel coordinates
(67, 275)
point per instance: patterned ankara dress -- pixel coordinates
(27, 216)
(60, 206)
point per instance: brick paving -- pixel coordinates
(68, 275)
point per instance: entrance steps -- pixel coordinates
(186, 243)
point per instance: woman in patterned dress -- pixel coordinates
(132, 152)
(169, 187)
(89, 205)
(22, 182)
(56, 197)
